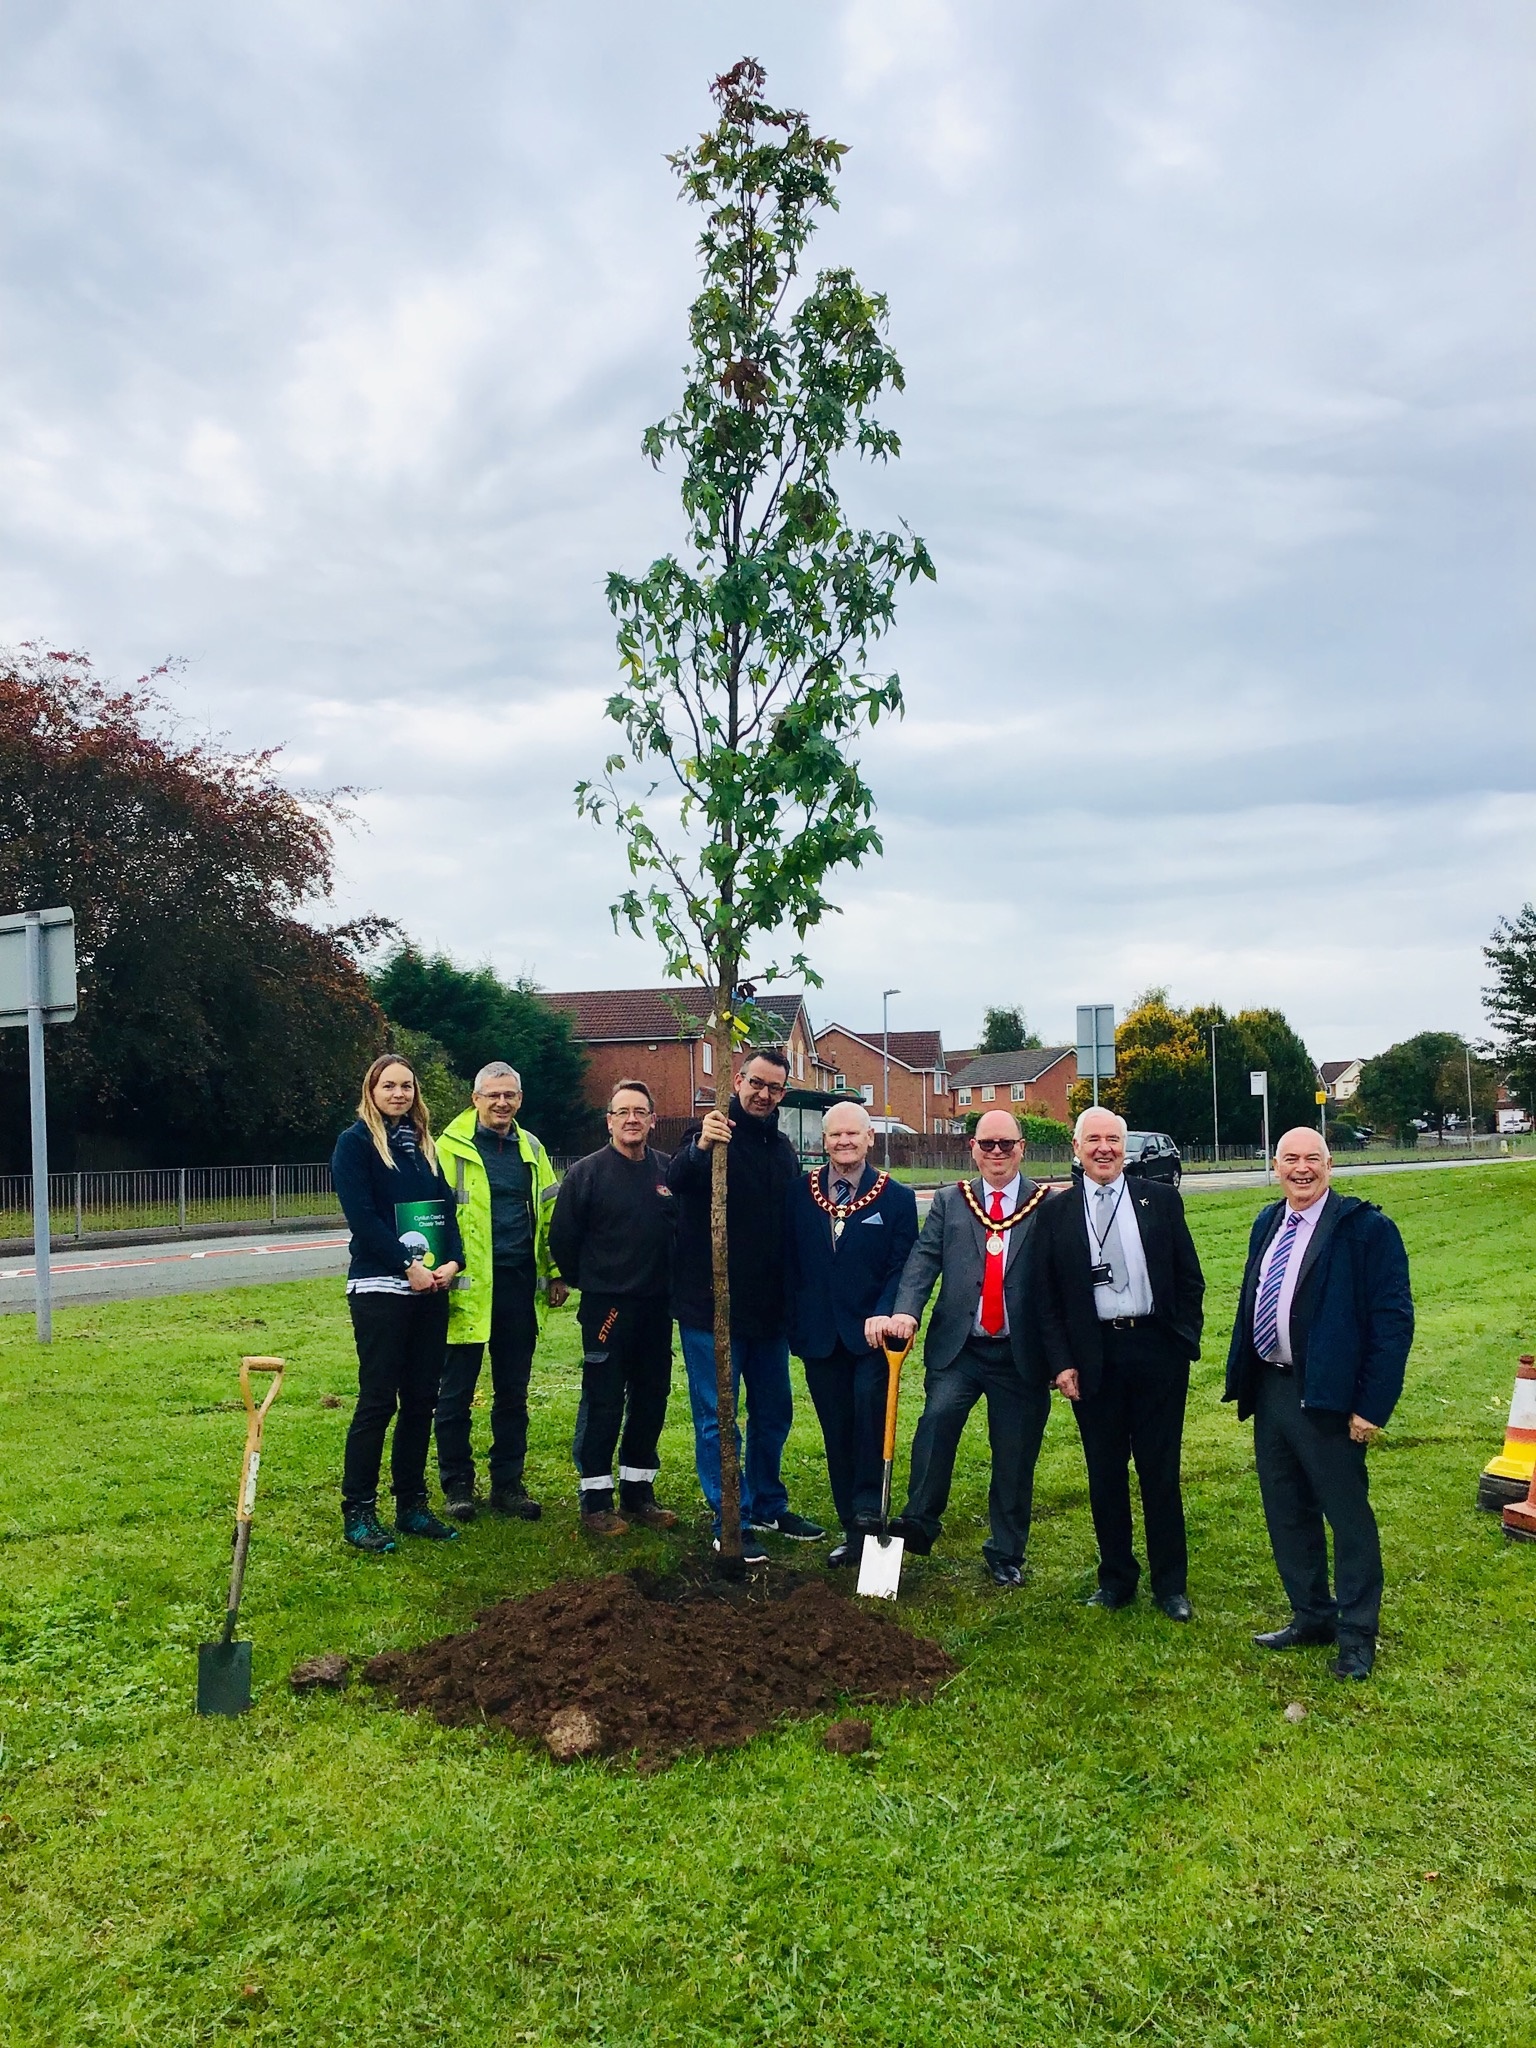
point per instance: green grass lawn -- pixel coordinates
(1103, 1830)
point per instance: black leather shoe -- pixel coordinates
(1354, 1661)
(917, 1540)
(1294, 1636)
(1105, 1598)
(847, 1551)
(1177, 1607)
(1009, 1576)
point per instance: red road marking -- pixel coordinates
(323, 1244)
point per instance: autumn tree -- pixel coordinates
(216, 1022)
(745, 654)
(1163, 1071)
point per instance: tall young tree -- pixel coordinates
(745, 654)
(1511, 999)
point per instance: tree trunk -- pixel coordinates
(725, 1386)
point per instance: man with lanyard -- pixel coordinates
(505, 1189)
(611, 1237)
(1121, 1307)
(981, 1343)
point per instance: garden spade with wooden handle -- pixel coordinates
(224, 1667)
(880, 1559)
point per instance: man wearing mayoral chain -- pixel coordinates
(981, 1344)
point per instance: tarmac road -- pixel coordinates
(137, 1272)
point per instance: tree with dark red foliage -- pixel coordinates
(215, 1023)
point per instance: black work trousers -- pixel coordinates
(1017, 1412)
(626, 1376)
(400, 1343)
(514, 1333)
(848, 1393)
(1137, 1413)
(1311, 1469)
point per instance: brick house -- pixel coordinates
(1036, 1082)
(921, 1096)
(657, 1036)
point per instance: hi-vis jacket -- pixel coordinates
(469, 1300)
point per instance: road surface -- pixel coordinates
(135, 1272)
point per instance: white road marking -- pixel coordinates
(327, 1244)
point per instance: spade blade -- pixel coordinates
(880, 1566)
(223, 1678)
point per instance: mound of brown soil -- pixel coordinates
(621, 1664)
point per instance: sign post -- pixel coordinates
(37, 987)
(1322, 1114)
(1258, 1084)
(1095, 1044)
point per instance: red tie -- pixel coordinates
(992, 1317)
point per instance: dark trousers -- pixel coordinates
(1138, 1413)
(514, 1333)
(400, 1344)
(1310, 1469)
(1017, 1412)
(848, 1393)
(626, 1375)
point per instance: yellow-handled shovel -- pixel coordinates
(880, 1559)
(224, 1667)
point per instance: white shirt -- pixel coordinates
(1010, 1195)
(1135, 1298)
(1306, 1224)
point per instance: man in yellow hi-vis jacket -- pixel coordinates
(505, 1189)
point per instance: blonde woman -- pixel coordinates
(406, 1252)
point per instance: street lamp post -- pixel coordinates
(1471, 1119)
(885, 1069)
(1215, 1112)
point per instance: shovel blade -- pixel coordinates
(880, 1567)
(223, 1678)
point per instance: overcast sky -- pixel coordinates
(330, 331)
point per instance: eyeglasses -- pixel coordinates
(512, 1095)
(997, 1144)
(757, 1087)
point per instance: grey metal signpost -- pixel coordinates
(1258, 1084)
(37, 987)
(1095, 1044)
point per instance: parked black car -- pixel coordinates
(1154, 1156)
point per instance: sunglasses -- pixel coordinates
(997, 1144)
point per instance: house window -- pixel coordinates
(709, 1057)
(941, 1084)
(963, 1097)
(868, 1093)
(799, 1063)
(1016, 1092)
(839, 1082)
(989, 1094)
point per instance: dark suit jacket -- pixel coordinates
(952, 1253)
(1063, 1302)
(834, 1284)
(1351, 1315)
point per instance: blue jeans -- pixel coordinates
(763, 1363)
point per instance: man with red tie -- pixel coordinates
(981, 1343)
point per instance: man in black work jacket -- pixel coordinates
(847, 1237)
(1319, 1349)
(611, 1237)
(1120, 1305)
(761, 1165)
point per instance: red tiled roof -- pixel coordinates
(921, 1051)
(645, 1015)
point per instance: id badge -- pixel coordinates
(1102, 1275)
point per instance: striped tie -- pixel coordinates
(1266, 1314)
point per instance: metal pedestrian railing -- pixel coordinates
(168, 1198)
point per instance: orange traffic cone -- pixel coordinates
(1520, 1517)
(1507, 1479)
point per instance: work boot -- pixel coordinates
(417, 1519)
(460, 1501)
(511, 1500)
(604, 1522)
(638, 1503)
(361, 1527)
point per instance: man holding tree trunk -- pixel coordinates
(761, 1167)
